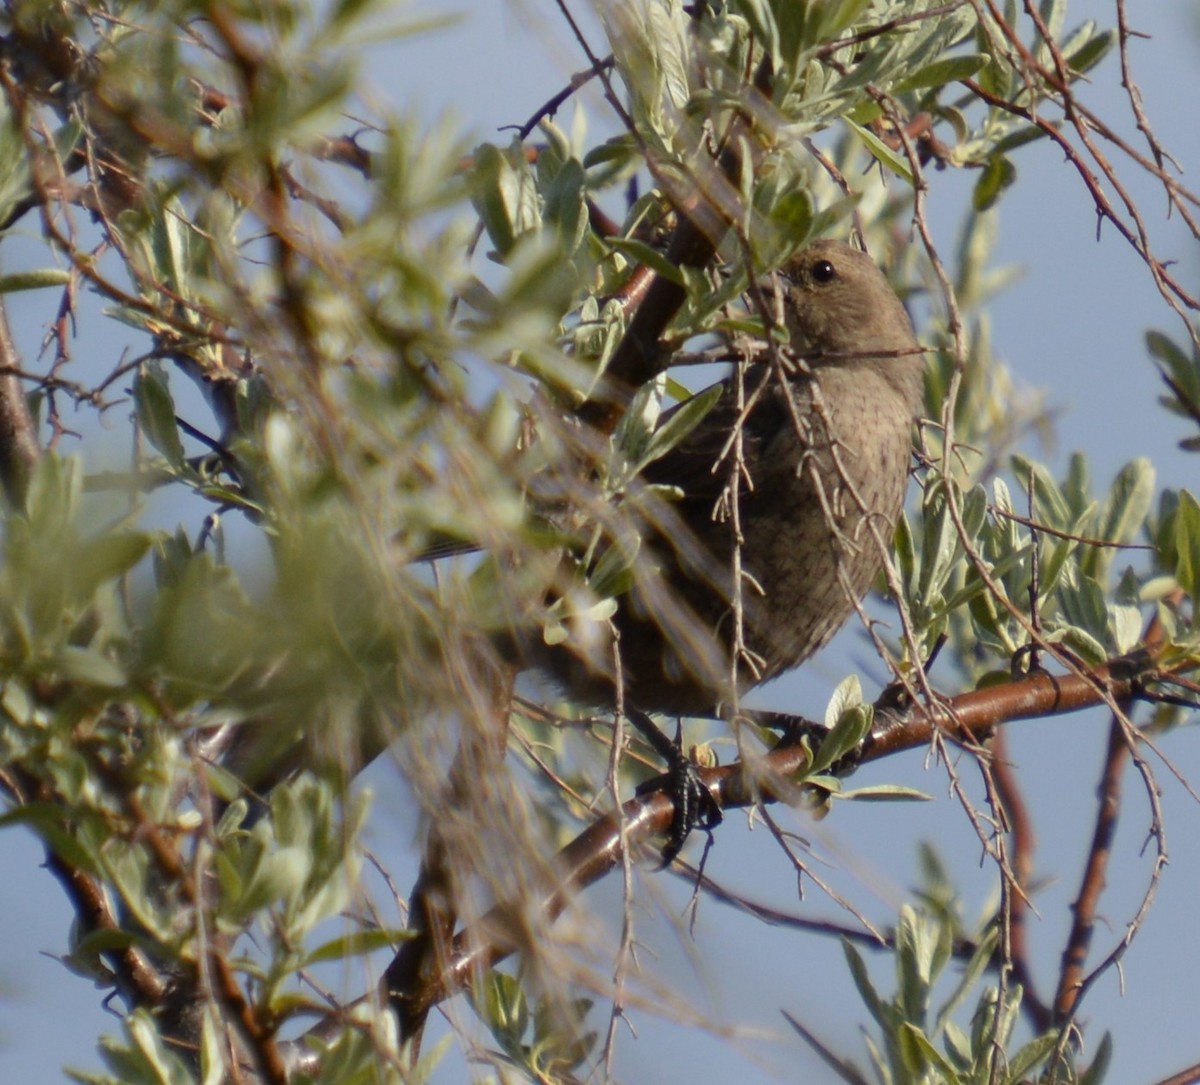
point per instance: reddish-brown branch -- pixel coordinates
(703, 220)
(1072, 982)
(550, 107)
(598, 849)
(1157, 151)
(602, 224)
(432, 915)
(1021, 832)
(19, 449)
(136, 979)
(259, 1033)
(638, 358)
(1185, 1077)
(1092, 883)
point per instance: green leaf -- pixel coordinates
(793, 214)
(893, 160)
(1180, 372)
(504, 1009)
(1084, 604)
(849, 721)
(46, 820)
(1029, 1056)
(760, 15)
(1053, 13)
(913, 956)
(940, 545)
(1018, 138)
(1121, 519)
(611, 577)
(985, 1022)
(156, 412)
(998, 175)
(356, 944)
(504, 194)
(921, 1052)
(276, 877)
(883, 793)
(52, 500)
(33, 280)
(980, 960)
(566, 205)
(157, 1056)
(106, 558)
(634, 432)
(679, 423)
(1160, 346)
(1187, 545)
(940, 72)
(974, 510)
(1091, 52)
(170, 240)
(1088, 647)
(833, 214)
(958, 1046)
(614, 152)
(1098, 1069)
(906, 553)
(848, 695)
(1049, 501)
(641, 253)
(541, 279)
(866, 990)
(88, 667)
(846, 736)
(834, 17)
(1129, 501)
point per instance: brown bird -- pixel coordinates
(826, 453)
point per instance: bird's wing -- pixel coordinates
(699, 464)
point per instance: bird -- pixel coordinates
(825, 457)
(826, 451)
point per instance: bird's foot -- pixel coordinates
(797, 730)
(792, 729)
(695, 807)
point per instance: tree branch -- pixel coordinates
(599, 849)
(19, 449)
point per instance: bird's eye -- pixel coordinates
(824, 272)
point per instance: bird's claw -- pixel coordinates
(695, 807)
(681, 783)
